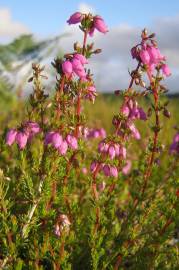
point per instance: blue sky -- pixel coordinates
(48, 17)
(125, 20)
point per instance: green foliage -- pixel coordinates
(23, 45)
(56, 215)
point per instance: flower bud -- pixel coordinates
(166, 113)
(97, 51)
(76, 46)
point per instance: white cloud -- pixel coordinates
(85, 8)
(10, 28)
(111, 67)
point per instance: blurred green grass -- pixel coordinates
(99, 114)
(106, 105)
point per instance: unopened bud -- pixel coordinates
(149, 113)
(166, 113)
(144, 33)
(152, 35)
(76, 46)
(97, 51)
(90, 47)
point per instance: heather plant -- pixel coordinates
(73, 196)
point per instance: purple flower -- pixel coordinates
(72, 142)
(96, 134)
(11, 136)
(126, 169)
(174, 147)
(176, 138)
(134, 130)
(81, 58)
(100, 25)
(117, 149)
(56, 140)
(75, 18)
(123, 152)
(33, 127)
(93, 166)
(91, 32)
(111, 152)
(160, 56)
(78, 68)
(48, 137)
(106, 170)
(102, 132)
(91, 93)
(101, 147)
(145, 57)
(21, 139)
(125, 110)
(113, 171)
(142, 114)
(154, 55)
(166, 71)
(67, 68)
(63, 148)
(135, 53)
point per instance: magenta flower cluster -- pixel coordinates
(111, 149)
(151, 56)
(132, 112)
(97, 22)
(21, 137)
(56, 140)
(107, 169)
(75, 66)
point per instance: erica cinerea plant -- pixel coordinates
(65, 205)
(60, 133)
